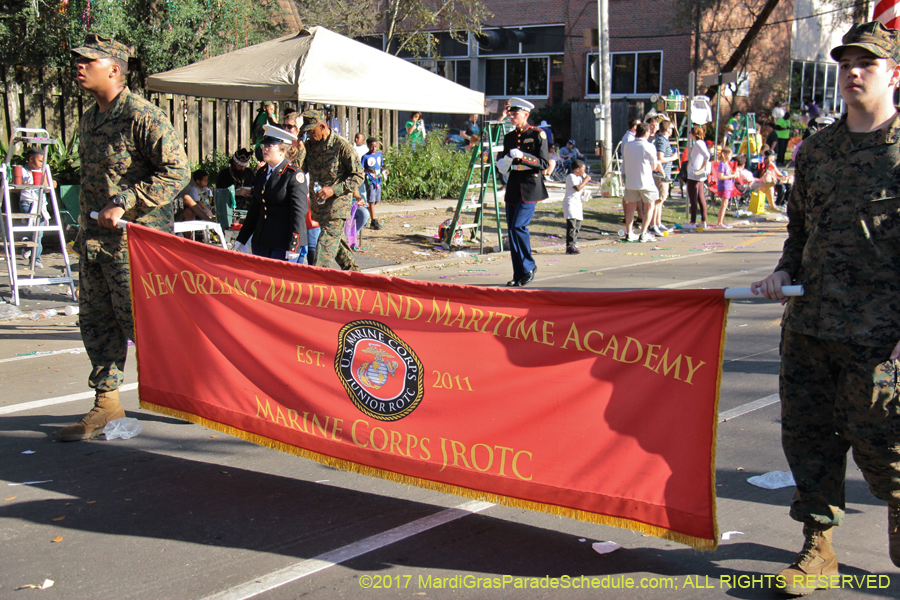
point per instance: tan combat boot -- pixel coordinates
(813, 568)
(106, 408)
(894, 532)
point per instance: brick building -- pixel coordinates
(543, 50)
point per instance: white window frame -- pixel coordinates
(526, 58)
(587, 73)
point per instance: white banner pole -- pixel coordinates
(120, 223)
(788, 290)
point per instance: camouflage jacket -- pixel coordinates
(332, 162)
(131, 150)
(843, 240)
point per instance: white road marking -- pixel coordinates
(661, 260)
(693, 282)
(749, 407)
(8, 410)
(628, 266)
(43, 354)
(307, 567)
(752, 355)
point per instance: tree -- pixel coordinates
(740, 53)
(166, 35)
(721, 35)
(406, 24)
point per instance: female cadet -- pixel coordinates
(277, 215)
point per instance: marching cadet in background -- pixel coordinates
(525, 156)
(839, 341)
(132, 165)
(334, 173)
(277, 216)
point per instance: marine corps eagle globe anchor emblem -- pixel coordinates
(381, 373)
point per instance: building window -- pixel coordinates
(815, 81)
(525, 76)
(542, 39)
(458, 71)
(633, 74)
(375, 40)
(440, 44)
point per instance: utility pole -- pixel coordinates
(605, 83)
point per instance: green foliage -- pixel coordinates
(65, 164)
(429, 170)
(212, 164)
(15, 159)
(165, 35)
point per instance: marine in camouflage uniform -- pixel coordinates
(130, 159)
(838, 384)
(331, 162)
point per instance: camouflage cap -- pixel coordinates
(96, 46)
(872, 36)
(311, 118)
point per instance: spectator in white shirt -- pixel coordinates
(698, 172)
(640, 162)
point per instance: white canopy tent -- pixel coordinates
(320, 66)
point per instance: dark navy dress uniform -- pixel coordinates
(277, 215)
(524, 189)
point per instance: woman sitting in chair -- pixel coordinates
(555, 161)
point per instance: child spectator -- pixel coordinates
(573, 204)
(744, 180)
(33, 202)
(725, 186)
(191, 202)
(373, 165)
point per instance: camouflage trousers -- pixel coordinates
(834, 397)
(333, 245)
(104, 315)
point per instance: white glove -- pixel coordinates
(239, 247)
(515, 153)
(293, 257)
(504, 164)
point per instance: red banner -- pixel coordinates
(597, 406)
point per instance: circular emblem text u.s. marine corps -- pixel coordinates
(381, 373)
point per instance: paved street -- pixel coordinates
(184, 512)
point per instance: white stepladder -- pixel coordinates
(24, 276)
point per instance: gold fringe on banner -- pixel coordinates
(715, 429)
(346, 465)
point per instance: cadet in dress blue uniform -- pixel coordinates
(277, 215)
(525, 156)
